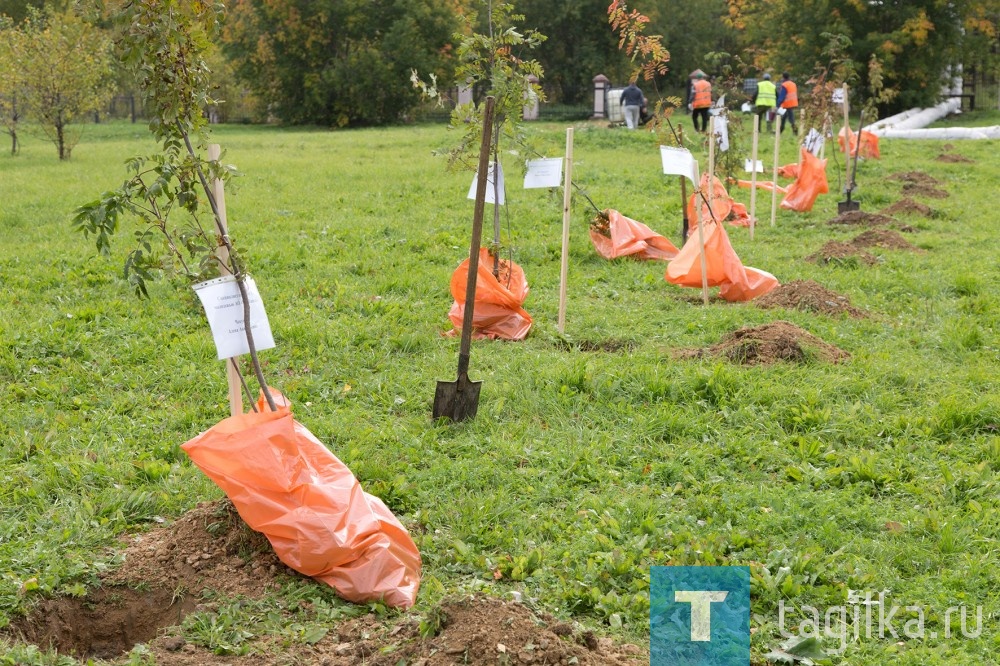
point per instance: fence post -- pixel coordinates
(601, 85)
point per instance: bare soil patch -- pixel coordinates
(954, 158)
(918, 177)
(167, 569)
(907, 206)
(769, 343)
(921, 190)
(837, 252)
(809, 296)
(862, 219)
(883, 238)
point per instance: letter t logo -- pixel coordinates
(701, 611)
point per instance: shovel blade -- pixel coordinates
(457, 400)
(847, 206)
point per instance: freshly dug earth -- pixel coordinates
(907, 206)
(834, 252)
(167, 570)
(921, 190)
(918, 177)
(954, 158)
(861, 218)
(810, 296)
(766, 344)
(884, 238)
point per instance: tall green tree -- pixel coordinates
(12, 43)
(915, 42)
(337, 62)
(66, 73)
(579, 46)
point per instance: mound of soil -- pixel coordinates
(166, 570)
(861, 218)
(834, 252)
(921, 190)
(907, 206)
(810, 296)
(763, 345)
(884, 238)
(918, 177)
(954, 158)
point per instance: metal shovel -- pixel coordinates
(846, 206)
(459, 400)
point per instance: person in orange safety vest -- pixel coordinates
(788, 99)
(699, 100)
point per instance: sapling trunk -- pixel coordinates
(237, 271)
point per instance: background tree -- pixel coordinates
(66, 74)
(579, 46)
(11, 45)
(339, 63)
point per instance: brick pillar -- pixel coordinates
(601, 86)
(531, 100)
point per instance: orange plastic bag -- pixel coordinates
(498, 313)
(789, 171)
(761, 185)
(810, 184)
(869, 143)
(630, 238)
(722, 203)
(736, 282)
(287, 485)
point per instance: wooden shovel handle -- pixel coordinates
(477, 234)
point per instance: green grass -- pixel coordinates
(582, 469)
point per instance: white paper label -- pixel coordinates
(678, 162)
(748, 166)
(224, 308)
(491, 187)
(546, 172)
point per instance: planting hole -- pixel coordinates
(106, 623)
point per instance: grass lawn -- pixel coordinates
(582, 468)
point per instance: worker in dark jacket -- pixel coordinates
(633, 100)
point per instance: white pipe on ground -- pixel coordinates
(948, 133)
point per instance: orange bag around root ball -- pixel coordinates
(766, 185)
(497, 313)
(724, 269)
(287, 485)
(811, 183)
(722, 203)
(789, 171)
(869, 143)
(630, 238)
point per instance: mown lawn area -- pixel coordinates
(595, 454)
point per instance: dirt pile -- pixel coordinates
(861, 218)
(917, 177)
(837, 252)
(766, 344)
(921, 190)
(166, 571)
(954, 158)
(809, 296)
(907, 206)
(883, 238)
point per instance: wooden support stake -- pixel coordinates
(753, 174)
(847, 142)
(697, 206)
(222, 253)
(774, 178)
(567, 199)
(685, 223)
